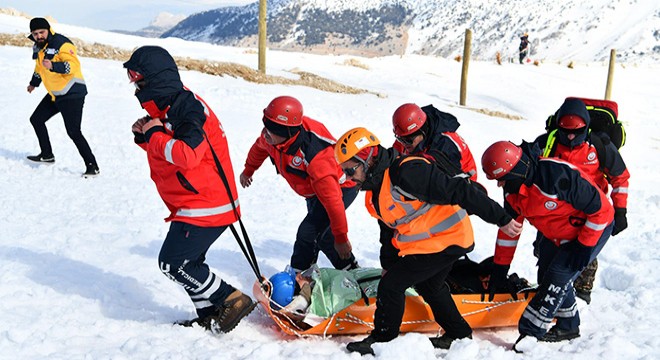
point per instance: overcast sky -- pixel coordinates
(114, 14)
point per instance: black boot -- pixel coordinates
(363, 347)
(444, 341)
(556, 334)
(91, 170)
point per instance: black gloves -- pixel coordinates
(497, 280)
(620, 220)
(580, 255)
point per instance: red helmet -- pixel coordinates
(134, 76)
(571, 122)
(284, 110)
(500, 158)
(407, 119)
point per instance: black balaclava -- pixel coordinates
(575, 107)
(281, 130)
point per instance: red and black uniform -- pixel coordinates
(612, 171)
(441, 136)
(424, 230)
(307, 162)
(186, 175)
(567, 207)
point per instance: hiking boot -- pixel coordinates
(48, 159)
(236, 307)
(363, 346)
(556, 334)
(444, 341)
(91, 171)
(196, 321)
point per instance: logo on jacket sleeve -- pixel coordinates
(550, 205)
(591, 156)
(296, 161)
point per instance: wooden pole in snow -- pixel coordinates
(466, 63)
(262, 36)
(610, 75)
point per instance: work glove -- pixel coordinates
(620, 220)
(497, 279)
(580, 255)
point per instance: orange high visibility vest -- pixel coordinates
(419, 227)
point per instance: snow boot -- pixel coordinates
(556, 334)
(236, 307)
(444, 341)
(363, 347)
(48, 159)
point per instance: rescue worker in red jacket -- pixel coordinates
(598, 158)
(575, 218)
(420, 130)
(424, 230)
(180, 135)
(301, 149)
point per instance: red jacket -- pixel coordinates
(183, 168)
(584, 156)
(307, 162)
(561, 202)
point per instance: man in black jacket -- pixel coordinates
(422, 212)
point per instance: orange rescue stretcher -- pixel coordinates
(358, 318)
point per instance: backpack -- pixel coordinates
(603, 114)
(469, 277)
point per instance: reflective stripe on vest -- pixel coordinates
(435, 229)
(218, 210)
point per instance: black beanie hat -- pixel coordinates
(39, 23)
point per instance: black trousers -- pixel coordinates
(71, 110)
(427, 273)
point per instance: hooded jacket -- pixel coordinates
(604, 169)
(559, 200)
(442, 136)
(180, 158)
(65, 79)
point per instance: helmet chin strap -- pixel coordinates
(365, 163)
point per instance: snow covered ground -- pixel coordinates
(78, 264)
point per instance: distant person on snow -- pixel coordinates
(575, 143)
(182, 136)
(576, 220)
(57, 65)
(422, 130)
(523, 48)
(424, 230)
(302, 151)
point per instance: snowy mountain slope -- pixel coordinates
(559, 30)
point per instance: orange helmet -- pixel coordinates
(284, 110)
(571, 122)
(407, 119)
(500, 158)
(354, 140)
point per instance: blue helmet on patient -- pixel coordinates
(283, 287)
